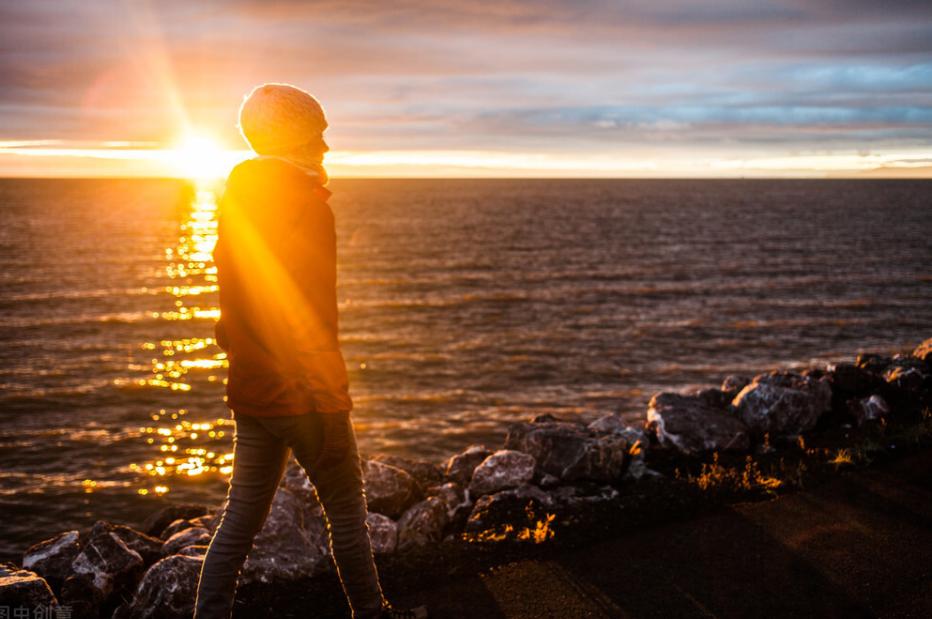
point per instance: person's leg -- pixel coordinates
(340, 490)
(259, 460)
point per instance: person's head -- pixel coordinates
(285, 121)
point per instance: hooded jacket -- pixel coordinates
(276, 269)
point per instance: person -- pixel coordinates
(287, 385)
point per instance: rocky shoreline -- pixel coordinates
(552, 481)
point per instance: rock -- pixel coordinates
(24, 588)
(549, 481)
(286, 547)
(104, 569)
(297, 482)
(638, 443)
(156, 522)
(52, 558)
(197, 550)
(502, 470)
(177, 525)
(923, 352)
(734, 383)
(148, 547)
(422, 523)
(849, 380)
(383, 533)
(572, 499)
(569, 450)
(206, 521)
(389, 490)
(783, 403)
(459, 468)
(714, 397)
(691, 426)
(424, 473)
(185, 537)
(905, 378)
(507, 507)
(869, 409)
(872, 362)
(452, 495)
(167, 591)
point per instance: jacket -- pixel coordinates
(276, 269)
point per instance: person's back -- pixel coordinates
(276, 261)
(287, 385)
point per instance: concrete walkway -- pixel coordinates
(857, 546)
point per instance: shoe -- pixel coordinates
(400, 613)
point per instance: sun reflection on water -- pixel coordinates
(183, 449)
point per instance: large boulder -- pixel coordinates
(424, 473)
(25, 589)
(508, 507)
(459, 468)
(502, 470)
(389, 490)
(422, 523)
(157, 521)
(287, 547)
(383, 533)
(167, 591)
(105, 568)
(849, 380)
(52, 558)
(569, 450)
(783, 403)
(186, 537)
(691, 425)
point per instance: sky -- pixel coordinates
(510, 88)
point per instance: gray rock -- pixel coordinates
(148, 547)
(422, 523)
(167, 591)
(783, 403)
(24, 588)
(287, 547)
(52, 558)
(185, 537)
(869, 409)
(424, 473)
(452, 495)
(177, 525)
(570, 451)
(389, 490)
(508, 507)
(197, 550)
(502, 470)
(459, 468)
(638, 443)
(104, 569)
(691, 426)
(383, 533)
(734, 383)
(905, 378)
(157, 521)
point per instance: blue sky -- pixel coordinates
(638, 88)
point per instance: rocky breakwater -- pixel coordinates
(545, 467)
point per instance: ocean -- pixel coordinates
(465, 305)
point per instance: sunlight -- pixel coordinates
(199, 157)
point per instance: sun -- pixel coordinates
(198, 156)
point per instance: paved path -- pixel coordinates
(857, 546)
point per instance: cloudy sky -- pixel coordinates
(504, 88)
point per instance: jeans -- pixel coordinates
(261, 448)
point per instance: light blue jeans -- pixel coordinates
(261, 449)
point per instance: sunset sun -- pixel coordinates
(198, 156)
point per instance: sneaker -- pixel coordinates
(401, 613)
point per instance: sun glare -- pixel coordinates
(199, 157)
